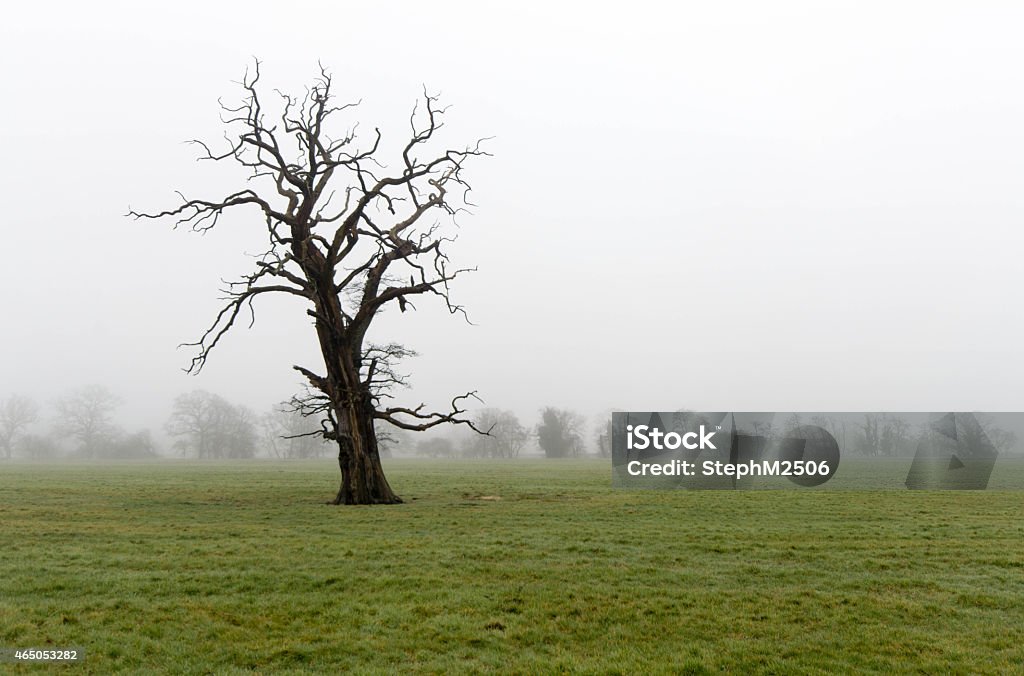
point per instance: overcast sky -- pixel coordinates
(722, 206)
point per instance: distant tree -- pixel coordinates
(291, 435)
(436, 447)
(895, 439)
(239, 428)
(971, 434)
(792, 423)
(38, 447)
(603, 435)
(390, 439)
(1002, 440)
(884, 434)
(17, 413)
(348, 236)
(195, 417)
(560, 432)
(208, 426)
(137, 446)
(835, 427)
(506, 437)
(868, 437)
(87, 416)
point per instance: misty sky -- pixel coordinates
(729, 206)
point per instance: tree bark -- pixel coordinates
(362, 476)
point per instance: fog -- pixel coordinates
(722, 206)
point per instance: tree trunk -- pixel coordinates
(362, 476)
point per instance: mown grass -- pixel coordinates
(530, 566)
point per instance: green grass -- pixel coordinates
(231, 568)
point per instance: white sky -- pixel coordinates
(722, 206)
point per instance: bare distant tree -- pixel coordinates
(194, 420)
(896, 436)
(347, 237)
(507, 435)
(884, 434)
(239, 429)
(39, 447)
(835, 427)
(289, 434)
(436, 447)
(86, 415)
(137, 445)
(869, 439)
(16, 414)
(209, 426)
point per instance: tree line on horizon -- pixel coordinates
(204, 425)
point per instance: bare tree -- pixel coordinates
(16, 414)
(289, 434)
(193, 420)
(348, 237)
(507, 435)
(239, 428)
(884, 434)
(86, 415)
(39, 447)
(895, 438)
(209, 426)
(436, 447)
(136, 445)
(834, 426)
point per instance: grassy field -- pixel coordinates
(530, 566)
